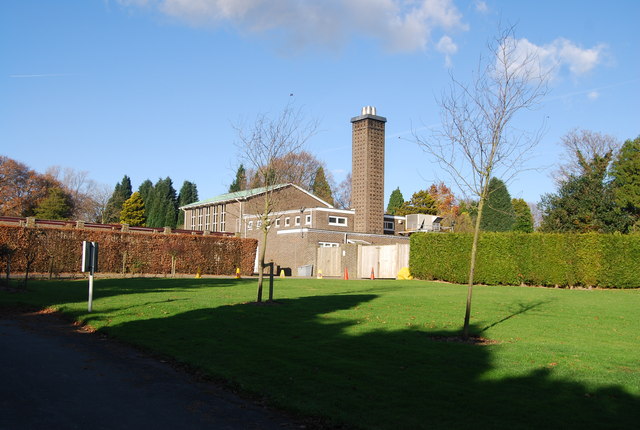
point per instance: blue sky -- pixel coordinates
(151, 88)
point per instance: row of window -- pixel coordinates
(333, 220)
(210, 218)
(287, 222)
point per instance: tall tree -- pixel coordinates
(498, 215)
(589, 145)
(262, 145)
(146, 193)
(396, 200)
(421, 203)
(133, 211)
(164, 205)
(57, 205)
(21, 189)
(321, 188)
(188, 194)
(523, 218)
(85, 193)
(240, 182)
(446, 201)
(299, 168)
(625, 171)
(121, 193)
(477, 139)
(343, 193)
(585, 202)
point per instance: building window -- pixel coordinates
(337, 220)
(388, 225)
(193, 219)
(250, 225)
(223, 216)
(277, 222)
(207, 217)
(297, 220)
(287, 222)
(328, 244)
(307, 219)
(214, 222)
(258, 223)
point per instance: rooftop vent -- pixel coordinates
(369, 110)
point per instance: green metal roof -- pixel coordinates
(238, 195)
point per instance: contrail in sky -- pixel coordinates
(41, 75)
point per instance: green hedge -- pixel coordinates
(599, 260)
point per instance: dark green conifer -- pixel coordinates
(498, 210)
(321, 188)
(396, 200)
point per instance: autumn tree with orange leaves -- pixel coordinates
(22, 189)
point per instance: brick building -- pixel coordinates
(302, 222)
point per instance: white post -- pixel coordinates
(90, 264)
(90, 290)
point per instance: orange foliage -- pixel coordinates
(21, 189)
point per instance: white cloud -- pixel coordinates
(560, 54)
(447, 47)
(593, 95)
(401, 25)
(481, 6)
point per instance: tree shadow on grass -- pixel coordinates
(53, 292)
(521, 308)
(352, 371)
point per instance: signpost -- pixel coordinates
(90, 264)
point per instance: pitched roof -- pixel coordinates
(245, 194)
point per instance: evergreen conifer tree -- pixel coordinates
(133, 211)
(164, 205)
(146, 194)
(188, 194)
(57, 205)
(396, 199)
(421, 203)
(240, 182)
(498, 215)
(121, 193)
(321, 188)
(523, 221)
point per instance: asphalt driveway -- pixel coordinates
(56, 376)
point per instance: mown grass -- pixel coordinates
(366, 353)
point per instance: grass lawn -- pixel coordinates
(362, 353)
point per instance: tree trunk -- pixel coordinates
(263, 251)
(26, 274)
(51, 268)
(173, 266)
(8, 267)
(472, 264)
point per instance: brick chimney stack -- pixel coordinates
(367, 171)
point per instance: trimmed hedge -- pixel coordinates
(597, 260)
(59, 250)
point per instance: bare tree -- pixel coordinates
(87, 194)
(342, 193)
(100, 199)
(477, 140)
(296, 167)
(261, 146)
(586, 144)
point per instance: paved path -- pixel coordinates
(54, 376)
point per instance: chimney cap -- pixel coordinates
(368, 112)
